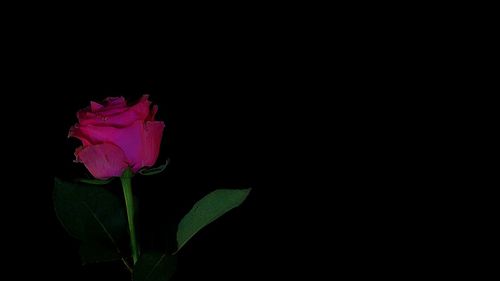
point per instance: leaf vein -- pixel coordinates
(103, 226)
(154, 267)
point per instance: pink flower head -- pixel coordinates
(116, 136)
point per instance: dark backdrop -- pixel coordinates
(318, 159)
(224, 129)
(324, 166)
(319, 131)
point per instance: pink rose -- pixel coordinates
(116, 136)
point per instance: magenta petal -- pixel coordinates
(116, 101)
(152, 114)
(75, 132)
(94, 106)
(141, 108)
(116, 135)
(153, 132)
(129, 139)
(116, 115)
(103, 160)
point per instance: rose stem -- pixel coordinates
(129, 203)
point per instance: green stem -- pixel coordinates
(129, 203)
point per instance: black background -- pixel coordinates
(334, 130)
(227, 126)
(322, 159)
(302, 133)
(252, 121)
(219, 134)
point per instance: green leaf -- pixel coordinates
(154, 171)
(208, 209)
(93, 215)
(154, 267)
(95, 181)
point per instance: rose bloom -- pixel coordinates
(116, 136)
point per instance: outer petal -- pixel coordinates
(94, 106)
(129, 139)
(152, 114)
(141, 108)
(102, 160)
(153, 132)
(116, 101)
(75, 132)
(116, 115)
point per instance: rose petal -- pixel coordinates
(152, 114)
(142, 107)
(75, 132)
(116, 116)
(153, 132)
(131, 129)
(94, 106)
(102, 160)
(115, 101)
(130, 139)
